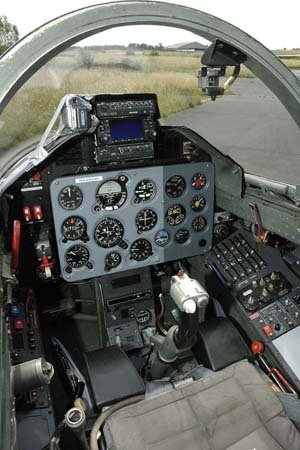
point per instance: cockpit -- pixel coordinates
(150, 297)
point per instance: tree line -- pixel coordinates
(9, 34)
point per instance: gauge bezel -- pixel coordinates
(177, 194)
(186, 240)
(110, 267)
(144, 228)
(196, 219)
(73, 248)
(81, 237)
(167, 241)
(199, 175)
(73, 186)
(149, 247)
(136, 199)
(123, 194)
(167, 215)
(116, 221)
(197, 210)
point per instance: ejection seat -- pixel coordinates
(232, 409)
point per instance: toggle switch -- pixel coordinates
(37, 212)
(268, 330)
(27, 214)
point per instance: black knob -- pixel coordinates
(104, 139)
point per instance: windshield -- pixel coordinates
(248, 123)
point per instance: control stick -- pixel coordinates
(191, 299)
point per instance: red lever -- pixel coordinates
(46, 263)
(15, 246)
(258, 229)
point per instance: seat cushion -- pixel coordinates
(232, 409)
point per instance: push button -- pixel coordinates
(18, 324)
(15, 310)
(268, 331)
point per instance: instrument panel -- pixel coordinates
(120, 220)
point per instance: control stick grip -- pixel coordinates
(187, 293)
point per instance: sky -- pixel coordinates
(274, 23)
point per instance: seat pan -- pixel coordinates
(233, 409)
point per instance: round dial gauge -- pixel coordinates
(140, 250)
(112, 260)
(109, 232)
(77, 256)
(175, 214)
(73, 228)
(145, 191)
(182, 235)
(111, 195)
(175, 186)
(161, 238)
(70, 197)
(146, 220)
(198, 181)
(199, 223)
(197, 203)
(143, 316)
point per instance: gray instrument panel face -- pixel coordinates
(197, 243)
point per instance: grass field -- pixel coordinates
(171, 75)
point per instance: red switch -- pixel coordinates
(18, 324)
(36, 176)
(37, 212)
(268, 330)
(27, 214)
(34, 396)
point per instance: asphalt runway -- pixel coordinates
(251, 126)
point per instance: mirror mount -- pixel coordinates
(216, 58)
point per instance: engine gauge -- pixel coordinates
(161, 238)
(198, 203)
(112, 194)
(145, 191)
(175, 214)
(146, 220)
(182, 235)
(70, 197)
(109, 232)
(74, 228)
(198, 181)
(112, 260)
(199, 223)
(140, 250)
(77, 256)
(175, 186)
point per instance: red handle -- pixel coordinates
(15, 246)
